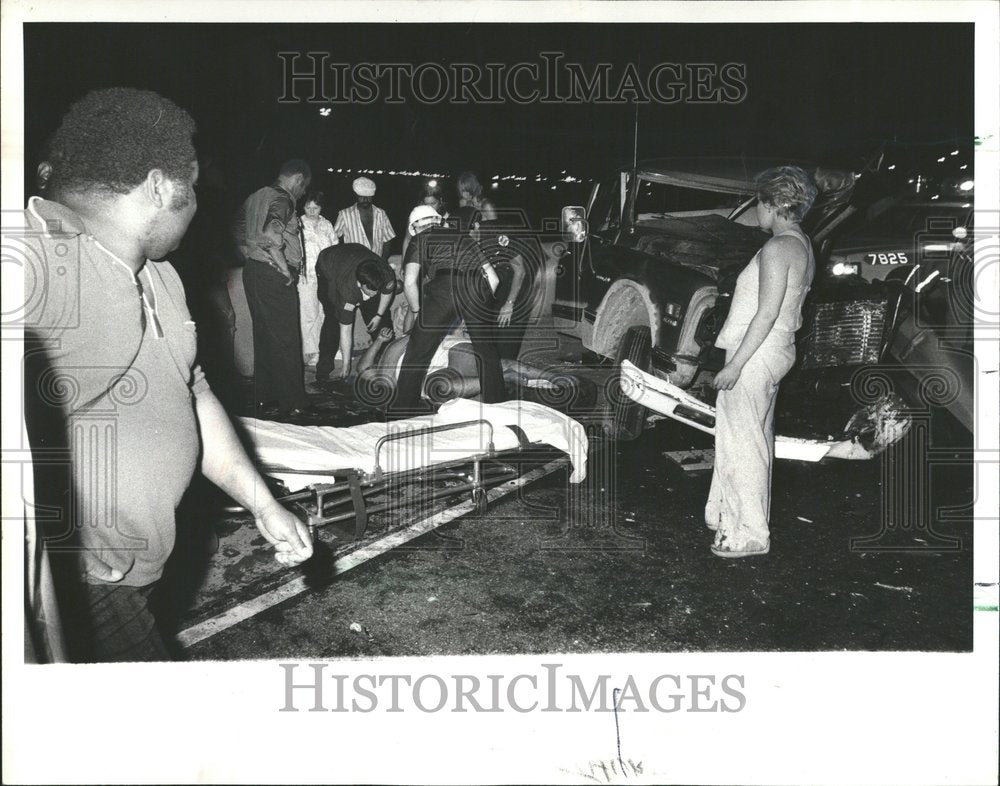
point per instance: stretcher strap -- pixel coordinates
(522, 438)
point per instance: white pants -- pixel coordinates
(739, 503)
(310, 318)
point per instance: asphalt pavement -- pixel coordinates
(621, 563)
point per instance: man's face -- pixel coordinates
(366, 291)
(171, 222)
(300, 186)
(364, 201)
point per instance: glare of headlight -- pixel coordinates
(432, 183)
(844, 269)
(966, 185)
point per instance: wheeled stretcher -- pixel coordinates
(671, 401)
(333, 474)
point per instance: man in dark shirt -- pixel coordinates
(458, 282)
(350, 276)
(266, 232)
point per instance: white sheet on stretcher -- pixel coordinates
(327, 448)
(663, 397)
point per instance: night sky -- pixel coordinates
(829, 93)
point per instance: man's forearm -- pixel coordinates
(346, 345)
(224, 461)
(383, 303)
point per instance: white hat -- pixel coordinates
(364, 187)
(422, 214)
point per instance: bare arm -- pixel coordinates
(347, 344)
(226, 464)
(775, 260)
(411, 285)
(517, 279)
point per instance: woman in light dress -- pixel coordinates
(317, 234)
(759, 339)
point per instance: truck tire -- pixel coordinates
(624, 419)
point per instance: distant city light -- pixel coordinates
(966, 185)
(941, 160)
(496, 177)
(495, 185)
(964, 166)
(329, 169)
(954, 152)
(892, 166)
(325, 111)
(936, 196)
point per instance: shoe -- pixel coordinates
(751, 548)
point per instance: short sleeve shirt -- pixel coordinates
(337, 269)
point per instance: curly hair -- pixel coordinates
(790, 189)
(110, 139)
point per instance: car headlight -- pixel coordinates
(845, 269)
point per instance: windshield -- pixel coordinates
(657, 200)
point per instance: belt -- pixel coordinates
(452, 271)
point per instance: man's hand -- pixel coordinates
(727, 378)
(284, 531)
(506, 312)
(374, 323)
(96, 568)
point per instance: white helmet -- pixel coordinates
(421, 216)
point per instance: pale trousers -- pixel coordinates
(739, 502)
(310, 318)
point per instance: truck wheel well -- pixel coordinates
(625, 305)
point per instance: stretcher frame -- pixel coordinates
(322, 504)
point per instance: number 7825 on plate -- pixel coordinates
(890, 258)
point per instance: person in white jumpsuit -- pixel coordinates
(317, 234)
(758, 337)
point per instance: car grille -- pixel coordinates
(845, 333)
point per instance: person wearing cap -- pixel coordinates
(363, 222)
(457, 282)
(350, 276)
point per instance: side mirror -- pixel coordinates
(574, 224)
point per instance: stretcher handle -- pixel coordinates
(416, 432)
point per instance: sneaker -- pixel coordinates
(727, 548)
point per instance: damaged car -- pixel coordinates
(650, 279)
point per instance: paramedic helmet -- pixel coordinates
(421, 217)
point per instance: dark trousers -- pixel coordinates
(444, 299)
(112, 623)
(329, 334)
(278, 372)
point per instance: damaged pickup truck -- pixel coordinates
(650, 281)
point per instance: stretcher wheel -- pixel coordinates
(481, 501)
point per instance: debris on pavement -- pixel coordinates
(907, 590)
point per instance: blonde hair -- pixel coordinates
(789, 189)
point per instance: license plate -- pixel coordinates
(890, 258)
